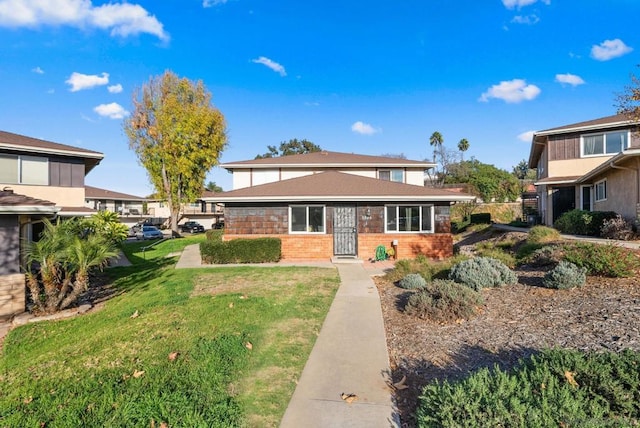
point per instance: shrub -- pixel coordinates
(617, 228)
(404, 267)
(555, 388)
(442, 301)
(412, 281)
(214, 234)
(540, 256)
(578, 222)
(482, 272)
(542, 235)
(259, 250)
(565, 276)
(602, 260)
(480, 218)
(496, 253)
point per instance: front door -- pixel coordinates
(345, 232)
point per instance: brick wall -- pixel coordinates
(320, 247)
(12, 295)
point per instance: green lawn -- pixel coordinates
(242, 336)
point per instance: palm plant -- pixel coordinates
(463, 146)
(58, 265)
(436, 141)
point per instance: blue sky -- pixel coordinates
(370, 77)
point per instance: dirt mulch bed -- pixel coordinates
(514, 322)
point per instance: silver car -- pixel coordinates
(149, 232)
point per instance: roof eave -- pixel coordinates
(338, 198)
(594, 127)
(231, 166)
(30, 149)
(28, 209)
(608, 164)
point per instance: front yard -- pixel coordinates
(192, 347)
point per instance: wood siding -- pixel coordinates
(10, 244)
(64, 172)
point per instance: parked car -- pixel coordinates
(149, 232)
(218, 225)
(191, 227)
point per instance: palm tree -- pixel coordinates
(436, 141)
(463, 146)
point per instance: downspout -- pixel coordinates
(613, 166)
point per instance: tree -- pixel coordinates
(59, 264)
(291, 147)
(213, 187)
(436, 142)
(523, 172)
(628, 102)
(463, 146)
(487, 181)
(177, 135)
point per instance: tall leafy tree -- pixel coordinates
(486, 181)
(628, 102)
(213, 187)
(291, 147)
(177, 135)
(463, 146)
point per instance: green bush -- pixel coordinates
(578, 222)
(603, 260)
(565, 276)
(482, 272)
(499, 254)
(214, 234)
(404, 267)
(259, 250)
(553, 389)
(443, 301)
(412, 281)
(480, 218)
(542, 235)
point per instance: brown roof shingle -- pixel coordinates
(338, 186)
(15, 203)
(8, 138)
(91, 192)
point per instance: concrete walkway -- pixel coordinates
(350, 354)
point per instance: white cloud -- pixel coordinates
(570, 79)
(115, 89)
(609, 49)
(526, 136)
(511, 91)
(526, 20)
(271, 64)
(360, 127)
(513, 4)
(211, 3)
(37, 70)
(123, 19)
(79, 81)
(112, 111)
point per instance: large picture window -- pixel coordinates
(608, 143)
(409, 218)
(306, 219)
(600, 190)
(24, 169)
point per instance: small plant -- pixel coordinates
(565, 276)
(540, 256)
(578, 222)
(542, 235)
(443, 301)
(412, 281)
(498, 254)
(482, 272)
(603, 260)
(617, 228)
(402, 268)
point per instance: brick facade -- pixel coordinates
(244, 221)
(12, 295)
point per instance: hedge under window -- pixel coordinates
(409, 218)
(306, 219)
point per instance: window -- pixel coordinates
(306, 219)
(600, 190)
(409, 218)
(24, 169)
(604, 144)
(396, 175)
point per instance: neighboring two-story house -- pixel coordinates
(592, 165)
(130, 208)
(38, 179)
(327, 204)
